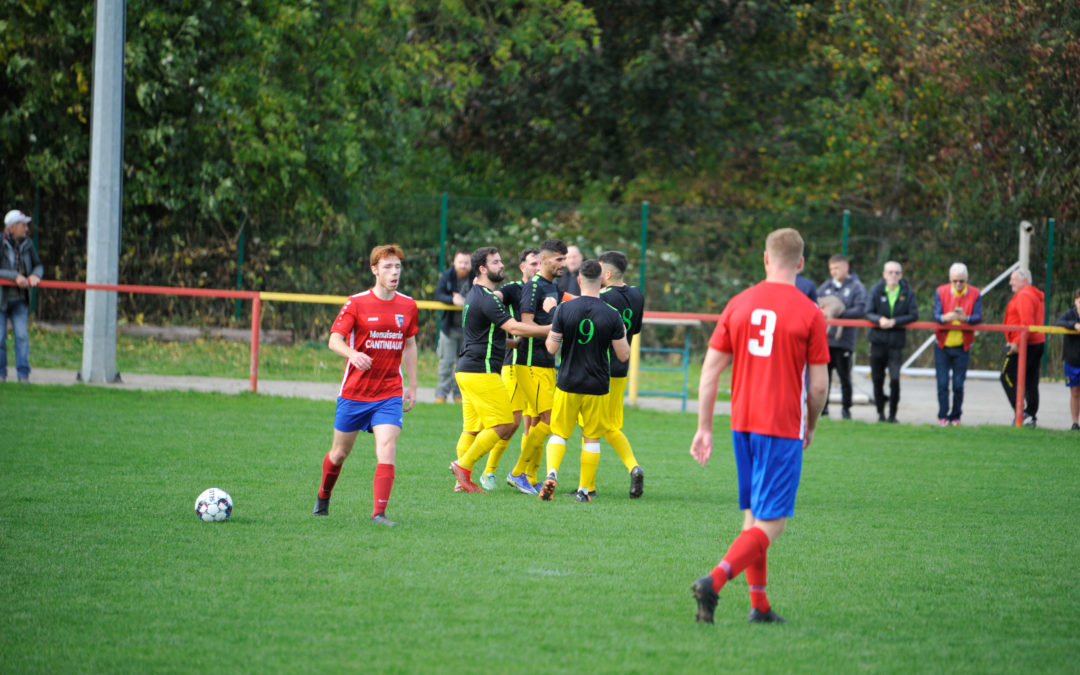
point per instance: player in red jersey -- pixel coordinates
(375, 332)
(771, 334)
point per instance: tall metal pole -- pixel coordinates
(106, 190)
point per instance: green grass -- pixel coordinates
(913, 549)
(306, 361)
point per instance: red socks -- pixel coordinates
(745, 550)
(755, 578)
(330, 475)
(381, 486)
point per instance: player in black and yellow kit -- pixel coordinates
(485, 404)
(584, 329)
(630, 304)
(528, 263)
(536, 372)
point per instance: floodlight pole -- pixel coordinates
(106, 192)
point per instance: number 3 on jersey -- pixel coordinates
(762, 347)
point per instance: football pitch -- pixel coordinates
(913, 549)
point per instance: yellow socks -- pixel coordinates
(621, 445)
(464, 441)
(496, 454)
(590, 460)
(485, 441)
(556, 449)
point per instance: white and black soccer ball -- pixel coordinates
(213, 505)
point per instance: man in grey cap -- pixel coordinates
(19, 262)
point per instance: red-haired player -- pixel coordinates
(375, 332)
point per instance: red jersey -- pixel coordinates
(1025, 309)
(772, 330)
(379, 329)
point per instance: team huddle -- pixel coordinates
(772, 335)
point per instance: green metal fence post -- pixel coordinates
(1049, 282)
(847, 230)
(644, 243)
(37, 228)
(443, 217)
(239, 268)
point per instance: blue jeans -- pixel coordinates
(17, 311)
(953, 359)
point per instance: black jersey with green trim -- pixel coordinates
(588, 325)
(512, 299)
(484, 343)
(535, 294)
(630, 304)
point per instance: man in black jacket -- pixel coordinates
(19, 262)
(1071, 320)
(453, 286)
(891, 305)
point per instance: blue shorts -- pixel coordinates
(1072, 376)
(768, 469)
(363, 415)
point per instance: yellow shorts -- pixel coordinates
(484, 401)
(540, 392)
(513, 388)
(616, 389)
(591, 409)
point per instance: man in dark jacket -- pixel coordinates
(891, 305)
(845, 287)
(453, 286)
(1071, 320)
(19, 262)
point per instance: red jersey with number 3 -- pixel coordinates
(773, 331)
(379, 329)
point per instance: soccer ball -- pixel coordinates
(213, 505)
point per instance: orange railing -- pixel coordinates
(256, 298)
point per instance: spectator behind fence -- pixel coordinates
(568, 281)
(1071, 320)
(956, 303)
(849, 290)
(891, 305)
(453, 286)
(808, 287)
(1024, 309)
(19, 262)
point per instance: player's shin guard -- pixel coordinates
(744, 551)
(755, 579)
(556, 449)
(621, 445)
(381, 485)
(496, 454)
(464, 442)
(481, 445)
(590, 460)
(330, 474)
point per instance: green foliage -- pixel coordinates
(296, 135)
(884, 568)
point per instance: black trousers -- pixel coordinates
(1031, 377)
(882, 358)
(840, 361)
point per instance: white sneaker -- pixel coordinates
(487, 481)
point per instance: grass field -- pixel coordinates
(913, 549)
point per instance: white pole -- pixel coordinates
(106, 187)
(1026, 229)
